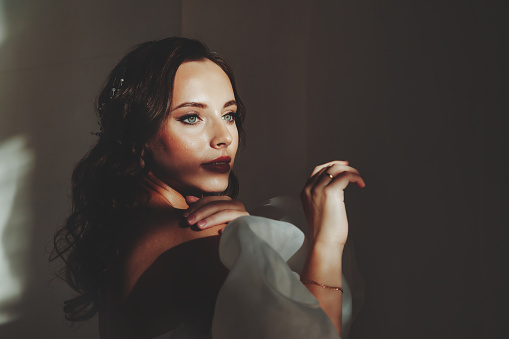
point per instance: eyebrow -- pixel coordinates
(230, 103)
(202, 105)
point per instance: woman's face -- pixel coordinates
(194, 150)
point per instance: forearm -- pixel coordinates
(324, 206)
(324, 265)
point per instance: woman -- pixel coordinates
(153, 195)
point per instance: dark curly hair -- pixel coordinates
(132, 106)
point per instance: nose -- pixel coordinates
(221, 136)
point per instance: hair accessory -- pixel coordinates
(330, 175)
(322, 285)
(113, 89)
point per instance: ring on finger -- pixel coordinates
(330, 175)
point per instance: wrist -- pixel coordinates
(324, 265)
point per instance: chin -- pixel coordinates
(215, 187)
(214, 190)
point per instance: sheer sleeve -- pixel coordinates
(262, 297)
(289, 208)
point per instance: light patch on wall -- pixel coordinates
(2, 23)
(16, 165)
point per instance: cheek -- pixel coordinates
(235, 143)
(180, 151)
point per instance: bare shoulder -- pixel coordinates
(164, 232)
(168, 273)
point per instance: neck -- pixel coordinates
(162, 194)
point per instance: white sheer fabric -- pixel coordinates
(262, 296)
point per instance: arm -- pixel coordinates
(212, 211)
(323, 202)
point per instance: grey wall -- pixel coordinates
(410, 93)
(54, 56)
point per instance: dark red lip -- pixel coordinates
(220, 159)
(219, 165)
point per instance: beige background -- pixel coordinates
(410, 93)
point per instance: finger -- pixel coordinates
(214, 207)
(191, 199)
(219, 218)
(342, 180)
(325, 175)
(323, 180)
(329, 164)
(314, 178)
(202, 201)
(336, 169)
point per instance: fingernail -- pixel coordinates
(191, 219)
(346, 162)
(201, 223)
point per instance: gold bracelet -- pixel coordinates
(322, 285)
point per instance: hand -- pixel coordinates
(323, 202)
(213, 210)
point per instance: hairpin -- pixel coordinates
(113, 89)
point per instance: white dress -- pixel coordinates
(262, 297)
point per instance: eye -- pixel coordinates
(189, 119)
(230, 117)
